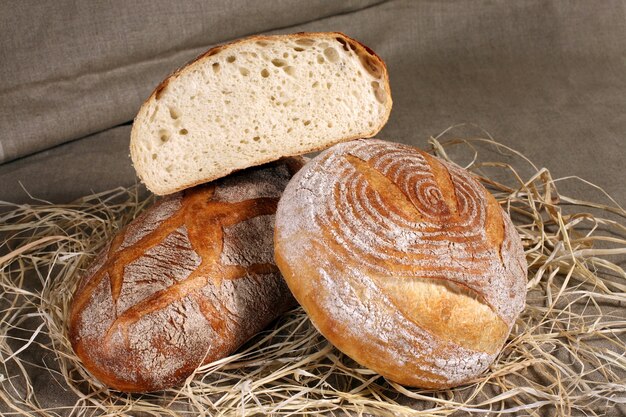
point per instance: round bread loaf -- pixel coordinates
(184, 284)
(404, 262)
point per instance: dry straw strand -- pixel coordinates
(565, 355)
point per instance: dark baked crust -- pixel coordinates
(185, 283)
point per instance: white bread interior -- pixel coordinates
(255, 101)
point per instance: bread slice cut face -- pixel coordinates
(257, 100)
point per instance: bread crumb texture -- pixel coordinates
(254, 101)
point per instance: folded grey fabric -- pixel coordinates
(546, 76)
(69, 69)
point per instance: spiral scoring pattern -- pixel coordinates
(384, 214)
(380, 232)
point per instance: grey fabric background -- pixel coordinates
(545, 77)
(71, 68)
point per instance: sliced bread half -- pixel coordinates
(257, 100)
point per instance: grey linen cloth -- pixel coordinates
(547, 78)
(72, 68)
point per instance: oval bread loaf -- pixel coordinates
(404, 262)
(186, 283)
(257, 100)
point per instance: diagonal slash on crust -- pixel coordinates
(398, 200)
(206, 239)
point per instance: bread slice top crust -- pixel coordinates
(254, 101)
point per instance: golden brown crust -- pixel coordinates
(367, 55)
(404, 262)
(379, 64)
(186, 283)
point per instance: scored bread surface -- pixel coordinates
(404, 262)
(257, 100)
(185, 283)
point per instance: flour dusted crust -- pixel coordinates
(404, 262)
(186, 283)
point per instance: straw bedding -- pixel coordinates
(565, 355)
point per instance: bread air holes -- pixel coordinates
(231, 59)
(183, 132)
(331, 54)
(174, 113)
(343, 43)
(378, 92)
(265, 73)
(279, 62)
(164, 135)
(216, 67)
(289, 70)
(370, 65)
(320, 59)
(244, 71)
(305, 42)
